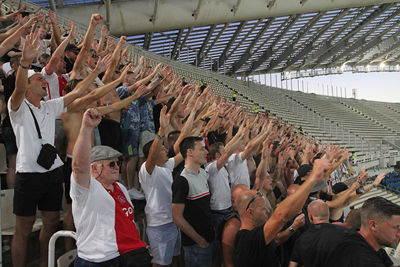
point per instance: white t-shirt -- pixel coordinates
(53, 88)
(158, 192)
(27, 139)
(220, 190)
(94, 212)
(238, 171)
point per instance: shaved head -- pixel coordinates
(318, 211)
(236, 192)
(257, 212)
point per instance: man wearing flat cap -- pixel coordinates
(101, 207)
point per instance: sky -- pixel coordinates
(376, 86)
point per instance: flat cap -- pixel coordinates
(103, 153)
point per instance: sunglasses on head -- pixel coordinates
(113, 163)
(259, 193)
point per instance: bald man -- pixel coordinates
(254, 243)
(316, 245)
(231, 227)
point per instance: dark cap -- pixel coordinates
(103, 153)
(303, 170)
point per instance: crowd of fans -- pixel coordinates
(223, 185)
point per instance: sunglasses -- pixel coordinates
(113, 163)
(259, 193)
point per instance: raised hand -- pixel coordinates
(31, 47)
(319, 168)
(96, 19)
(164, 118)
(91, 118)
(379, 178)
(103, 63)
(299, 221)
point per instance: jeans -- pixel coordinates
(195, 256)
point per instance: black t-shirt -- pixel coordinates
(250, 249)
(316, 245)
(197, 211)
(354, 251)
(9, 87)
(69, 64)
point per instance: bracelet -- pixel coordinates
(291, 229)
(159, 136)
(24, 67)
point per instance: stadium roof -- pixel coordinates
(313, 42)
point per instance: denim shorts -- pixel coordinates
(165, 242)
(196, 256)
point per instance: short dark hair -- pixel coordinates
(188, 143)
(378, 208)
(146, 148)
(172, 136)
(214, 149)
(72, 84)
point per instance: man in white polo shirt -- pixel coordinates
(35, 186)
(155, 177)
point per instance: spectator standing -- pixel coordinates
(102, 210)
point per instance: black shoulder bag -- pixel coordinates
(48, 153)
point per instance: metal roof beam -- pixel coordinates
(177, 42)
(215, 40)
(246, 55)
(223, 56)
(269, 52)
(124, 12)
(290, 49)
(308, 46)
(245, 37)
(147, 40)
(344, 41)
(184, 41)
(377, 39)
(203, 46)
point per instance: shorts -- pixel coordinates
(67, 170)
(110, 133)
(9, 141)
(165, 242)
(130, 142)
(144, 138)
(37, 190)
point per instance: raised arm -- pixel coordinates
(157, 146)
(10, 41)
(86, 46)
(230, 148)
(58, 54)
(29, 52)
(82, 148)
(293, 204)
(114, 61)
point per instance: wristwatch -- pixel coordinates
(291, 229)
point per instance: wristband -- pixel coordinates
(159, 136)
(24, 67)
